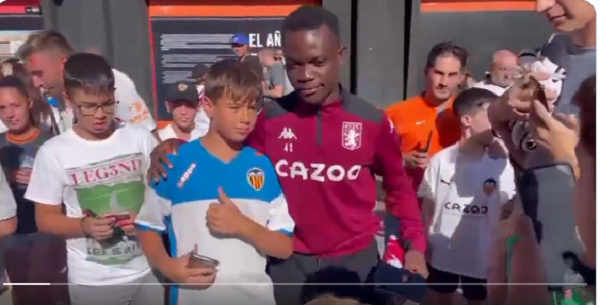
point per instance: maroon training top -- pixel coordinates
(326, 159)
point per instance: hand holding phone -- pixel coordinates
(99, 228)
(183, 270)
(428, 143)
(200, 261)
(123, 223)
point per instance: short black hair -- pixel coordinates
(14, 82)
(88, 72)
(233, 80)
(447, 48)
(308, 18)
(470, 100)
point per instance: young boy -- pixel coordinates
(183, 103)
(224, 202)
(463, 190)
(97, 170)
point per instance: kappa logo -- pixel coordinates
(351, 135)
(287, 134)
(256, 178)
(186, 175)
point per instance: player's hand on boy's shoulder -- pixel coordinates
(159, 159)
(177, 270)
(224, 216)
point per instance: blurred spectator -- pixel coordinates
(31, 256)
(44, 116)
(518, 257)
(502, 73)
(274, 74)
(288, 88)
(44, 54)
(199, 74)
(575, 46)
(182, 102)
(240, 43)
(467, 82)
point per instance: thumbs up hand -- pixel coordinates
(224, 216)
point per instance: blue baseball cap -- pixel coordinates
(240, 39)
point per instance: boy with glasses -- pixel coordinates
(97, 170)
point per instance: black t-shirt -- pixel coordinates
(255, 64)
(15, 156)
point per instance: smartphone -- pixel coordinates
(428, 144)
(201, 261)
(539, 93)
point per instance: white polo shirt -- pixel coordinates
(495, 89)
(467, 196)
(169, 133)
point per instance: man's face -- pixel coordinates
(184, 113)
(233, 120)
(240, 49)
(313, 60)
(46, 69)
(444, 77)
(14, 110)
(567, 16)
(94, 112)
(504, 70)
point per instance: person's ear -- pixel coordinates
(466, 120)
(209, 107)
(30, 103)
(63, 60)
(341, 56)
(66, 98)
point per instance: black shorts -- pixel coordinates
(473, 289)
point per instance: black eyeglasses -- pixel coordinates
(91, 109)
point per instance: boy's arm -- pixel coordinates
(8, 208)
(276, 239)
(426, 193)
(46, 190)
(150, 224)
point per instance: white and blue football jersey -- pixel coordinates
(179, 204)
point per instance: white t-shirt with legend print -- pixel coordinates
(106, 177)
(468, 196)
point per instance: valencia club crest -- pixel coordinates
(489, 186)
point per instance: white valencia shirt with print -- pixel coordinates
(467, 196)
(106, 177)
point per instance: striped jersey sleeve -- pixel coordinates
(157, 204)
(279, 215)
